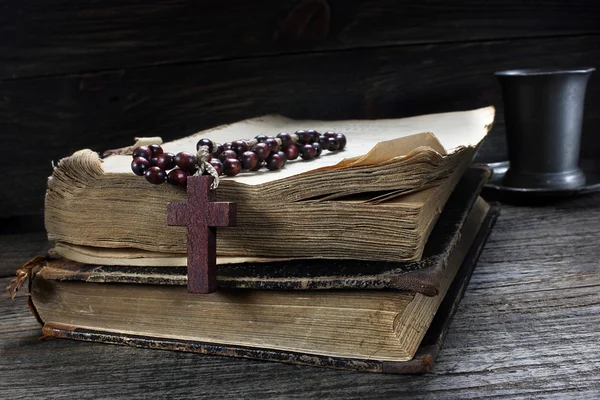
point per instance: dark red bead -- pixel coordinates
(329, 134)
(286, 139)
(308, 152)
(232, 167)
(227, 154)
(262, 150)
(258, 166)
(274, 162)
(178, 177)
(218, 165)
(334, 144)
(303, 136)
(186, 161)
(207, 143)
(239, 146)
(341, 138)
(249, 160)
(153, 161)
(165, 161)
(314, 135)
(292, 152)
(219, 148)
(324, 142)
(284, 157)
(155, 175)
(143, 151)
(139, 165)
(227, 145)
(260, 138)
(318, 148)
(273, 144)
(155, 149)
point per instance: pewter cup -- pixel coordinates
(543, 111)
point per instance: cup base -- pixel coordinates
(555, 180)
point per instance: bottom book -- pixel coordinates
(389, 331)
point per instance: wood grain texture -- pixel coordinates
(17, 249)
(526, 329)
(106, 110)
(62, 36)
(201, 215)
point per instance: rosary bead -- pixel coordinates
(274, 162)
(178, 177)
(260, 138)
(139, 165)
(329, 134)
(218, 165)
(143, 151)
(206, 142)
(155, 175)
(239, 146)
(303, 136)
(227, 154)
(227, 145)
(341, 138)
(283, 157)
(273, 144)
(292, 152)
(334, 144)
(258, 166)
(155, 149)
(314, 135)
(232, 167)
(308, 152)
(186, 161)
(249, 160)
(165, 161)
(262, 150)
(318, 149)
(218, 150)
(286, 139)
(324, 142)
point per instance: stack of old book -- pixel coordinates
(354, 260)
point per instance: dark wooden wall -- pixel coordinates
(95, 74)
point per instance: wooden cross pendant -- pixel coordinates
(201, 216)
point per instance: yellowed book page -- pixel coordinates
(136, 258)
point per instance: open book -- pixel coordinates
(378, 199)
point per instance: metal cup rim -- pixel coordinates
(543, 71)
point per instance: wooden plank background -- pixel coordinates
(94, 75)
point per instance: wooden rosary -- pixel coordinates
(199, 173)
(232, 158)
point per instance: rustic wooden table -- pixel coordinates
(527, 328)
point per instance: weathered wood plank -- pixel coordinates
(17, 249)
(526, 329)
(63, 36)
(48, 118)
